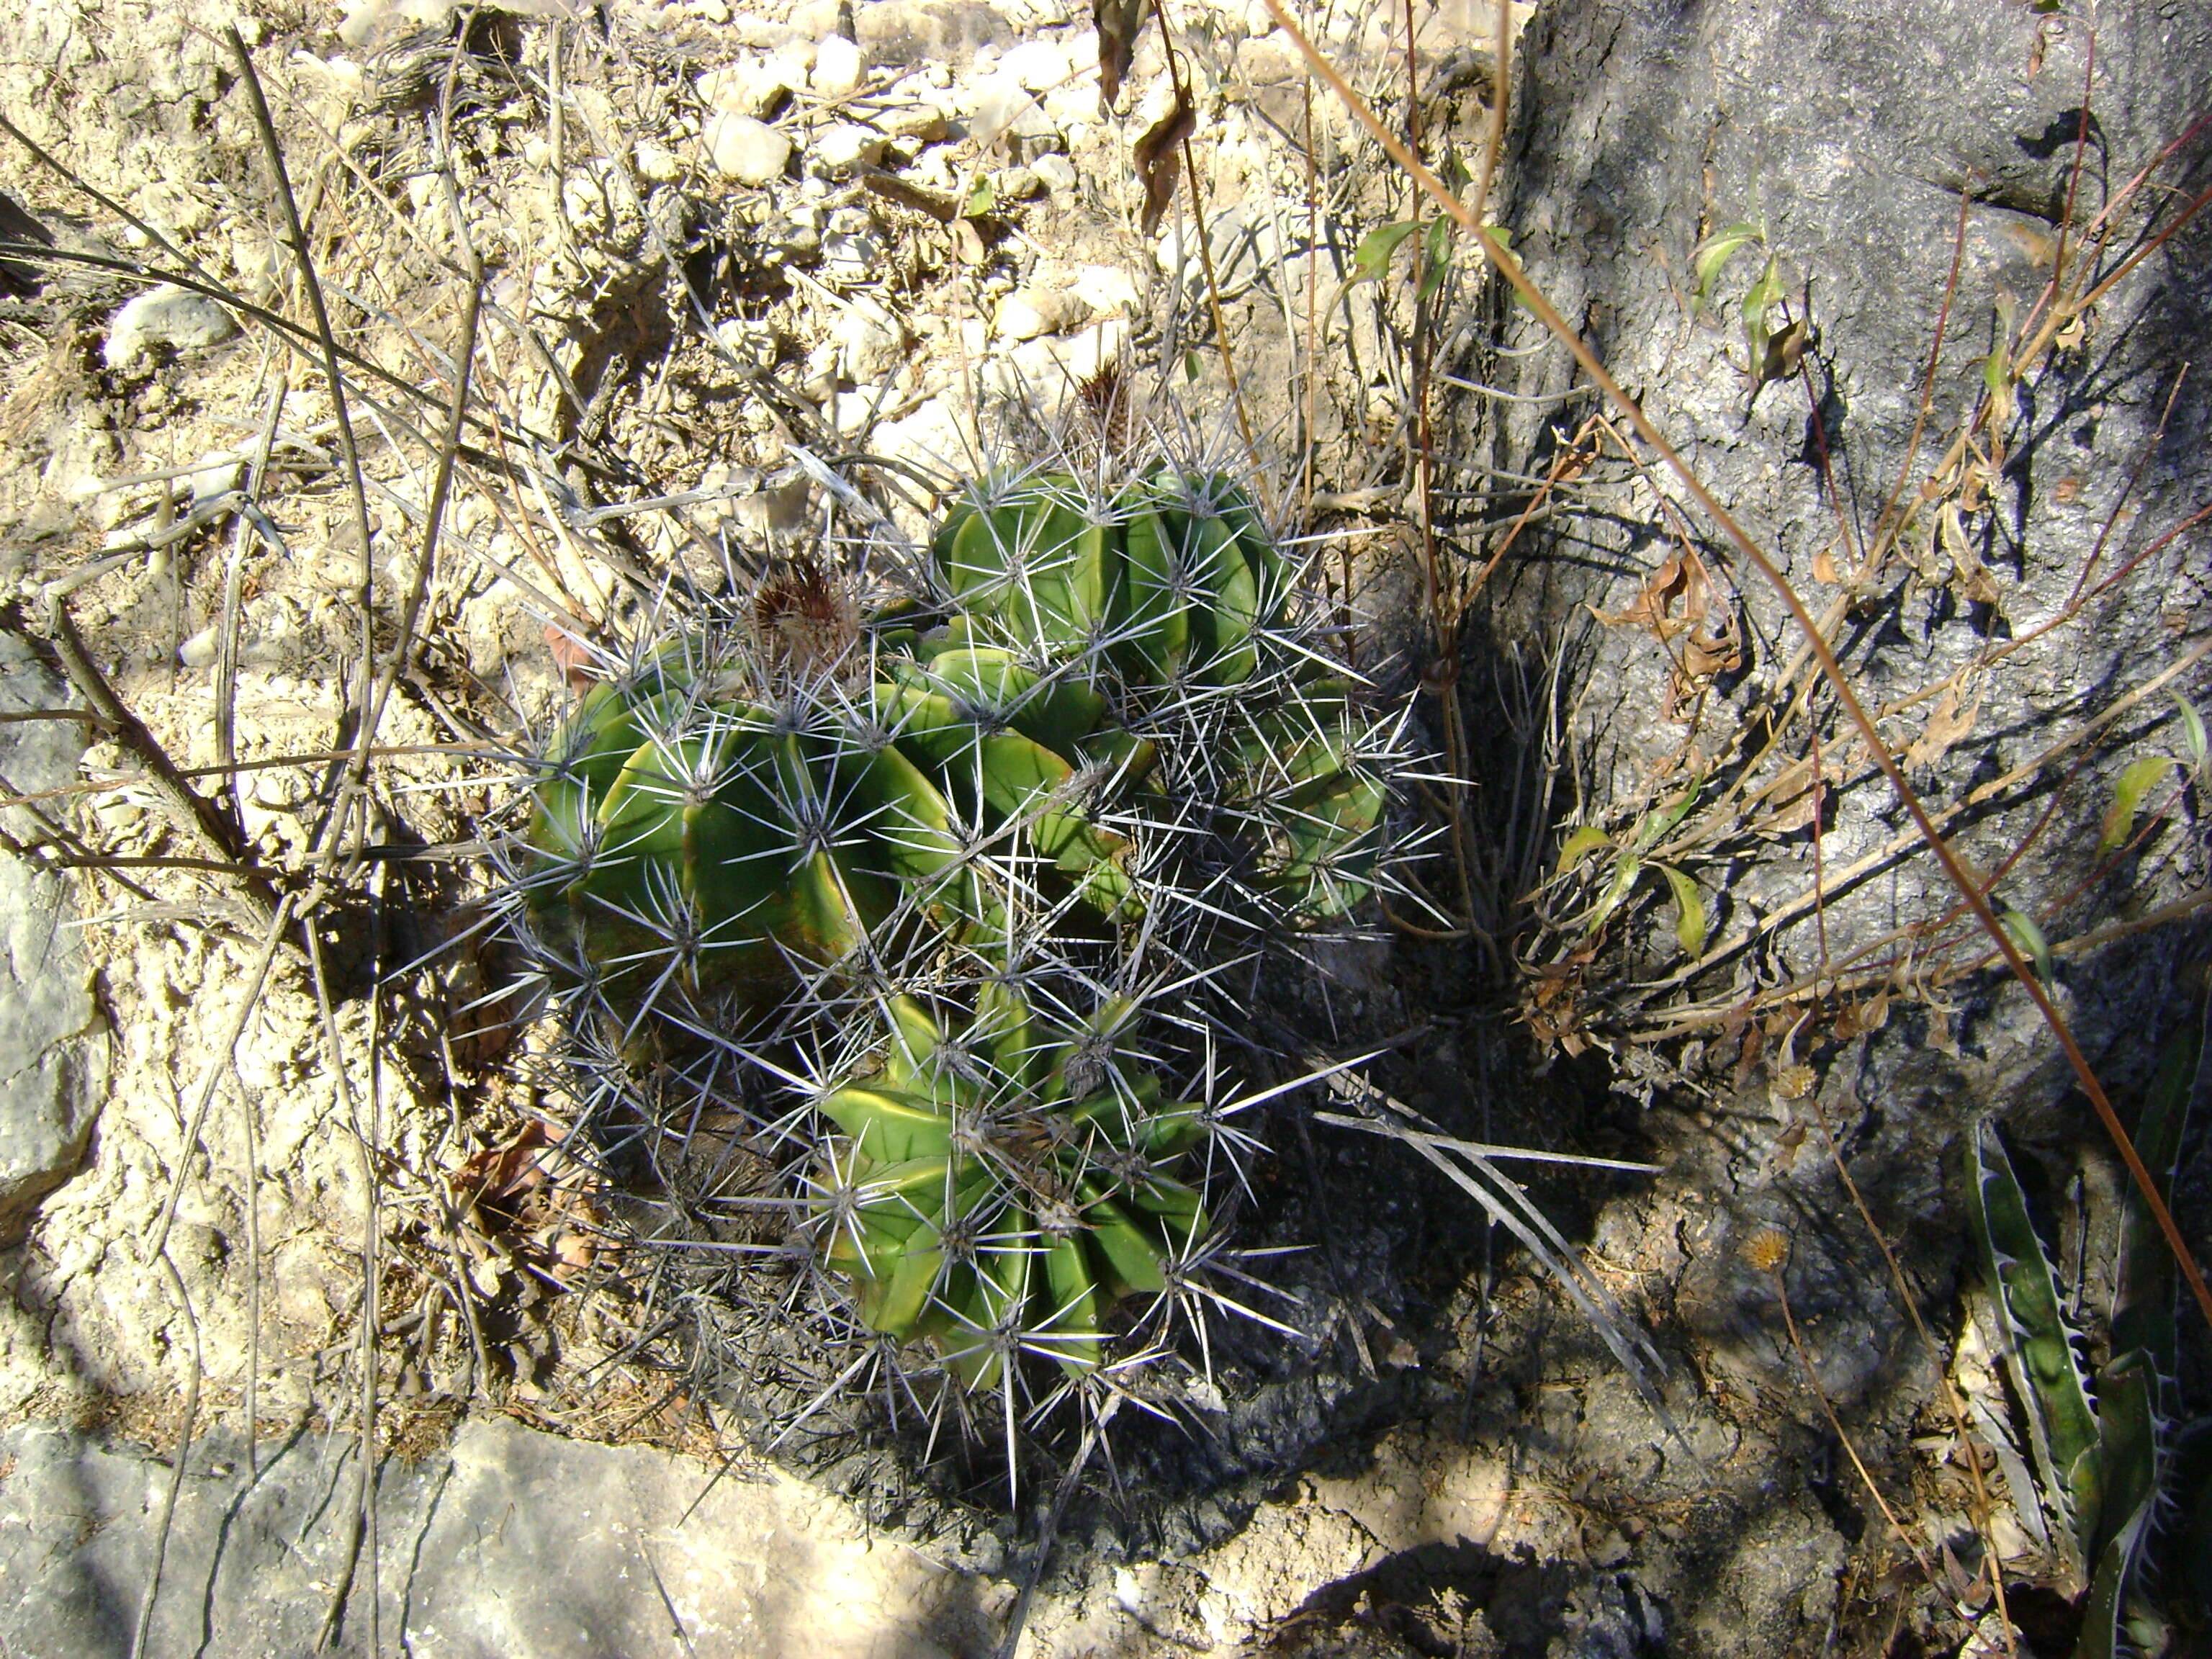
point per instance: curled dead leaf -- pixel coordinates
(1970, 579)
(1158, 160)
(1795, 800)
(1119, 22)
(1948, 724)
(528, 1205)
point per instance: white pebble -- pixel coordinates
(1029, 313)
(1055, 172)
(837, 66)
(655, 164)
(752, 152)
(846, 146)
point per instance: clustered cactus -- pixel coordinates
(941, 856)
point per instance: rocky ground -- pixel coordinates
(263, 1200)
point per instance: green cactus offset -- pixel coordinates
(998, 1188)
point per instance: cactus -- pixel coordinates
(1098, 737)
(997, 1188)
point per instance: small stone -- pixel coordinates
(1005, 110)
(1029, 313)
(1016, 185)
(167, 317)
(655, 164)
(870, 344)
(1036, 64)
(750, 152)
(851, 256)
(1106, 288)
(752, 86)
(924, 123)
(1055, 172)
(200, 649)
(846, 146)
(817, 18)
(838, 69)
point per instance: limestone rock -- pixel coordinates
(509, 1543)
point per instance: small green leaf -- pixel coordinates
(1624, 879)
(2192, 732)
(1580, 845)
(1713, 255)
(2137, 781)
(1758, 304)
(1436, 256)
(1660, 822)
(2028, 939)
(1456, 178)
(1377, 247)
(1690, 925)
(1500, 241)
(982, 197)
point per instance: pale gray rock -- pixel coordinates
(927, 31)
(165, 319)
(52, 1060)
(510, 1543)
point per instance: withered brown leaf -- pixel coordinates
(1159, 160)
(1119, 22)
(1946, 724)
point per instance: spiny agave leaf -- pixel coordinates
(894, 1303)
(1690, 922)
(1155, 622)
(2127, 1459)
(2136, 780)
(1714, 253)
(2145, 1289)
(1004, 1028)
(1131, 1256)
(2039, 1347)
(914, 1038)
(1073, 1324)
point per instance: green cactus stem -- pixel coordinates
(687, 834)
(1175, 575)
(997, 1189)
